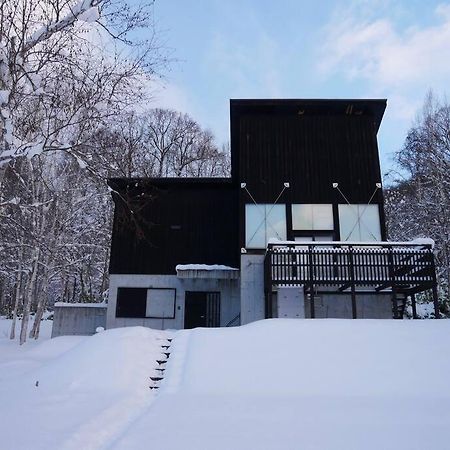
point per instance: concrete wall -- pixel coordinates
(368, 306)
(229, 298)
(70, 320)
(252, 288)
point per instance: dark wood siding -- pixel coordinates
(177, 223)
(310, 153)
(310, 145)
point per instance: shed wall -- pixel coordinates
(77, 320)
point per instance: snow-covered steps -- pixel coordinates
(165, 344)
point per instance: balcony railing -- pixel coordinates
(376, 267)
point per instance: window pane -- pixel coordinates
(160, 303)
(131, 302)
(312, 217)
(369, 226)
(302, 217)
(322, 217)
(255, 233)
(264, 222)
(360, 223)
(348, 222)
(275, 222)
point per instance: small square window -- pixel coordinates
(312, 217)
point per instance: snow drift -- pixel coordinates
(275, 384)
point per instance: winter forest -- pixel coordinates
(76, 93)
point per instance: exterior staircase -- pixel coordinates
(399, 306)
(161, 362)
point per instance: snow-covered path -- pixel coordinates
(287, 384)
(276, 384)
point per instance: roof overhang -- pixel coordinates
(348, 107)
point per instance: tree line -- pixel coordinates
(417, 201)
(74, 85)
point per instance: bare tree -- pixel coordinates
(70, 63)
(156, 143)
(418, 204)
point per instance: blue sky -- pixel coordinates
(303, 49)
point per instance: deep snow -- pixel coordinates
(275, 384)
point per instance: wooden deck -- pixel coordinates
(382, 267)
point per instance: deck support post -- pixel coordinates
(395, 303)
(414, 306)
(352, 281)
(311, 283)
(437, 314)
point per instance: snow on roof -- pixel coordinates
(418, 242)
(81, 305)
(203, 267)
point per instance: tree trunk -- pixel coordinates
(28, 297)
(17, 296)
(34, 333)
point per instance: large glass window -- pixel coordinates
(264, 222)
(359, 223)
(312, 217)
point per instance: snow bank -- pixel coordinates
(275, 384)
(83, 393)
(118, 359)
(305, 384)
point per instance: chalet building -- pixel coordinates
(298, 230)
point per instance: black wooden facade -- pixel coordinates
(284, 152)
(160, 223)
(309, 144)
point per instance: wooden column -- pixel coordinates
(352, 281)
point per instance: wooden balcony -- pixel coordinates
(382, 267)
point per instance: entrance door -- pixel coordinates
(202, 309)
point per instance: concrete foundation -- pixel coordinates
(78, 319)
(252, 288)
(228, 288)
(368, 306)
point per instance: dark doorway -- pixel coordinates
(202, 309)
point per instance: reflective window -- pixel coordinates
(264, 222)
(312, 217)
(359, 223)
(160, 303)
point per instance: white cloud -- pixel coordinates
(401, 64)
(171, 96)
(251, 67)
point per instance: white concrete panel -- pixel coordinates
(290, 302)
(252, 288)
(229, 298)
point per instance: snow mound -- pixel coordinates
(118, 359)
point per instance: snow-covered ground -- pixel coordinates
(275, 384)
